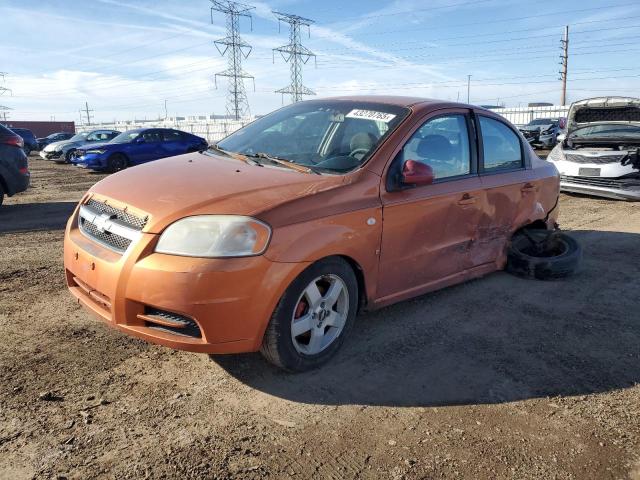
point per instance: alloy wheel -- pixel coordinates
(320, 314)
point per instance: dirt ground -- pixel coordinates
(496, 378)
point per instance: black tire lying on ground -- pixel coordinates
(543, 254)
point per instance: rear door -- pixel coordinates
(173, 143)
(510, 186)
(428, 230)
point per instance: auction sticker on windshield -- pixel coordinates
(371, 115)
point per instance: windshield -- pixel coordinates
(543, 121)
(329, 136)
(607, 131)
(125, 137)
(79, 137)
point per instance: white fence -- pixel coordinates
(523, 115)
(216, 129)
(211, 130)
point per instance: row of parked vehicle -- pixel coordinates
(111, 150)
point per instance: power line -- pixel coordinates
(295, 54)
(237, 49)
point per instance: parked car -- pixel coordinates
(543, 132)
(29, 139)
(61, 152)
(277, 236)
(54, 137)
(14, 168)
(600, 154)
(135, 147)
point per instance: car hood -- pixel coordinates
(62, 144)
(102, 146)
(204, 183)
(603, 110)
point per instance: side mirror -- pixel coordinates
(416, 173)
(139, 139)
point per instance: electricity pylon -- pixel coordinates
(236, 49)
(295, 54)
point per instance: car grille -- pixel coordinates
(131, 220)
(600, 159)
(113, 240)
(621, 183)
(113, 228)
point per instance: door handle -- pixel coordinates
(528, 188)
(467, 200)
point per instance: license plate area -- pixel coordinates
(589, 172)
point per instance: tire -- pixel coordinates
(330, 323)
(68, 155)
(116, 162)
(27, 151)
(559, 257)
(1, 194)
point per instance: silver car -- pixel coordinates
(62, 152)
(600, 154)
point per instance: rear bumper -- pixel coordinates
(230, 300)
(618, 189)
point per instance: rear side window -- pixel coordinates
(501, 146)
(171, 136)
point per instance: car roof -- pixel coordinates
(401, 101)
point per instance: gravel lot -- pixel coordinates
(496, 378)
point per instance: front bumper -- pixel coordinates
(55, 155)
(230, 300)
(616, 188)
(91, 161)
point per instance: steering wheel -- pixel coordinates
(363, 151)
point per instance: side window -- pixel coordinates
(151, 136)
(94, 137)
(443, 144)
(501, 146)
(171, 136)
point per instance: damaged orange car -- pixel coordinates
(277, 236)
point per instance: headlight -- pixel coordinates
(215, 236)
(556, 154)
(97, 151)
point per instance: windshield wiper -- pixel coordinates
(287, 163)
(237, 156)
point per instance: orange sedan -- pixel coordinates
(277, 236)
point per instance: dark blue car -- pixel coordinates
(138, 146)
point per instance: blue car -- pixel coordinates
(138, 146)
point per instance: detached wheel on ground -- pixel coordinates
(313, 316)
(543, 254)
(116, 162)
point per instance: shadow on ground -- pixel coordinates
(493, 340)
(35, 216)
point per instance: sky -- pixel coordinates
(126, 58)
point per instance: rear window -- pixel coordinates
(501, 146)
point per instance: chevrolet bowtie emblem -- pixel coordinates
(103, 222)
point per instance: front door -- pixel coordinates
(428, 230)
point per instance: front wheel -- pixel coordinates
(69, 156)
(313, 316)
(116, 163)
